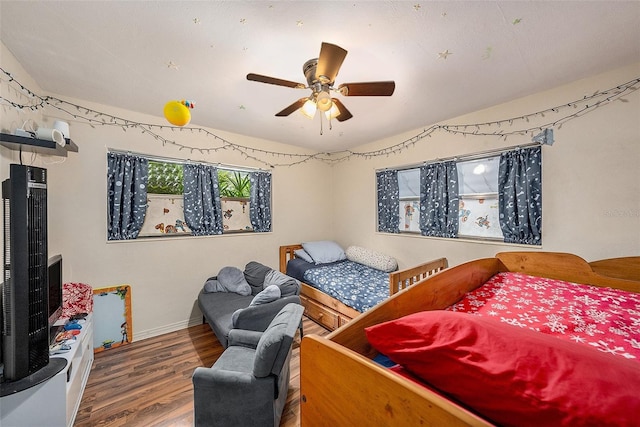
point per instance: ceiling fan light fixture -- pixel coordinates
(324, 101)
(309, 109)
(321, 73)
(333, 112)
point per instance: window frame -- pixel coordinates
(406, 217)
(222, 168)
(466, 196)
(480, 197)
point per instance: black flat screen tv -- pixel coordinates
(55, 291)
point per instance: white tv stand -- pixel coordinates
(55, 402)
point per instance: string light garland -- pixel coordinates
(505, 127)
(514, 126)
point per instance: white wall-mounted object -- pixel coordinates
(49, 134)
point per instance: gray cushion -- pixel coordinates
(233, 280)
(275, 343)
(257, 317)
(254, 273)
(287, 284)
(234, 316)
(236, 359)
(268, 294)
(212, 285)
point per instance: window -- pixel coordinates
(478, 212)
(235, 189)
(499, 197)
(164, 212)
(409, 190)
(165, 204)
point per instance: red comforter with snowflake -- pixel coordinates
(604, 318)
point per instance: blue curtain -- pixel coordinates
(127, 177)
(520, 196)
(439, 199)
(202, 207)
(260, 201)
(388, 201)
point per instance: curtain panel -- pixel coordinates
(260, 201)
(439, 199)
(202, 206)
(388, 201)
(520, 196)
(127, 177)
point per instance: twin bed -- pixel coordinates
(339, 291)
(345, 380)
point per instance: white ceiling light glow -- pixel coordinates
(324, 102)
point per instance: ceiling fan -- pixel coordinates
(321, 73)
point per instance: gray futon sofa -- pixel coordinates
(248, 299)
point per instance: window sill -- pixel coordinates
(185, 236)
(462, 239)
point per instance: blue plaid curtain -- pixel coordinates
(260, 201)
(439, 199)
(127, 178)
(202, 207)
(520, 196)
(388, 201)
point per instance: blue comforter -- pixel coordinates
(356, 285)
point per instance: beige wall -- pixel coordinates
(591, 179)
(11, 118)
(167, 274)
(590, 172)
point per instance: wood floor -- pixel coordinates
(148, 382)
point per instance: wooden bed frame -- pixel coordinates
(621, 268)
(341, 386)
(331, 313)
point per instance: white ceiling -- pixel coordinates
(138, 55)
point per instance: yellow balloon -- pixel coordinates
(177, 113)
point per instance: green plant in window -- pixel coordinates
(165, 178)
(234, 184)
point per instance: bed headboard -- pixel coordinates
(287, 253)
(627, 268)
(562, 266)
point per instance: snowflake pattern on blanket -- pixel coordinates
(604, 318)
(356, 285)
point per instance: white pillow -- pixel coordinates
(324, 251)
(372, 259)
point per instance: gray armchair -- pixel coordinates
(248, 384)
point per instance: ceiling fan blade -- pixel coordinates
(293, 107)
(344, 113)
(367, 88)
(329, 62)
(272, 80)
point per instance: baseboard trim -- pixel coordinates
(150, 333)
